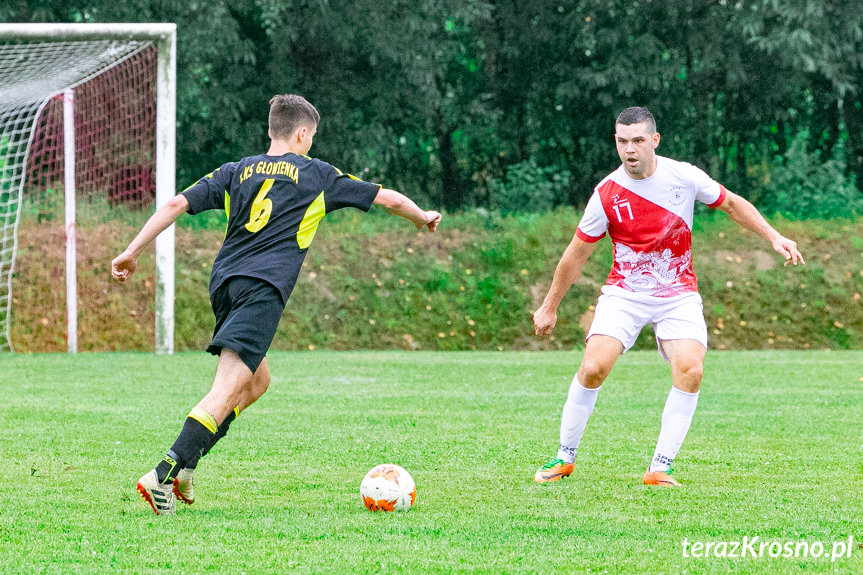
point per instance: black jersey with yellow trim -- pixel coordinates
(274, 205)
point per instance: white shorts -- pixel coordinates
(623, 318)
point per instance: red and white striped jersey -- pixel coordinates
(650, 225)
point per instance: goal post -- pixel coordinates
(40, 62)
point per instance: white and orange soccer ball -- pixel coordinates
(388, 487)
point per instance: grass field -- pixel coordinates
(774, 452)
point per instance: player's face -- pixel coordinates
(635, 146)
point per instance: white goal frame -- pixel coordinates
(164, 36)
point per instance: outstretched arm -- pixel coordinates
(123, 266)
(567, 273)
(400, 205)
(744, 213)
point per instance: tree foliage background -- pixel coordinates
(510, 105)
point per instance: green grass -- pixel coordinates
(774, 452)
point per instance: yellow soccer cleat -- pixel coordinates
(659, 478)
(554, 470)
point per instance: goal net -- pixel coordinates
(78, 171)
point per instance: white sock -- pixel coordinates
(576, 411)
(676, 419)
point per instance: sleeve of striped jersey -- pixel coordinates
(594, 222)
(707, 190)
(208, 193)
(343, 190)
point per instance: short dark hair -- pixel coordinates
(288, 112)
(637, 115)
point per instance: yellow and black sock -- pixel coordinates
(220, 433)
(168, 468)
(195, 439)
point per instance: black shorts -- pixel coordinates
(247, 314)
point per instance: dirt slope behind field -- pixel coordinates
(371, 282)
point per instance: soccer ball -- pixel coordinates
(388, 487)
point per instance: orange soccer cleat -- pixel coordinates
(659, 478)
(554, 470)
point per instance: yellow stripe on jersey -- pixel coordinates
(314, 214)
(204, 419)
(227, 212)
(207, 177)
(351, 176)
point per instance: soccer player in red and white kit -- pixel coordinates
(646, 207)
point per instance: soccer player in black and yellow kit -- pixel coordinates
(274, 203)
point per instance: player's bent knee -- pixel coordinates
(688, 377)
(697, 372)
(591, 374)
(693, 370)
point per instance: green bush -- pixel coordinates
(530, 188)
(801, 185)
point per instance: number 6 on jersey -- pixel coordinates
(262, 207)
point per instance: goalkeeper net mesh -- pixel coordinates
(114, 87)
